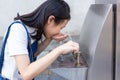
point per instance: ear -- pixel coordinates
(51, 19)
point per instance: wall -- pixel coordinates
(105, 1)
(10, 8)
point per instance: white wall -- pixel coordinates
(9, 9)
(105, 1)
(118, 1)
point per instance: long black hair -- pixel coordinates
(38, 18)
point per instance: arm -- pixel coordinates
(42, 46)
(45, 43)
(29, 71)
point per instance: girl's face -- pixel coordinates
(51, 28)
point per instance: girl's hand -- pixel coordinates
(68, 47)
(60, 37)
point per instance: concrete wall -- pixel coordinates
(9, 9)
(105, 1)
(118, 1)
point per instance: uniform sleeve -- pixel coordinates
(17, 41)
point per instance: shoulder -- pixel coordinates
(17, 40)
(18, 27)
(17, 31)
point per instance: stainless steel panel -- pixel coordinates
(71, 73)
(62, 73)
(96, 41)
(65, 66)
(118, 45)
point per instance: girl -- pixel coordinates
(48, 20)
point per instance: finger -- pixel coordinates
(59, 37)
(62, 33)
(76, 51)
(76, 48)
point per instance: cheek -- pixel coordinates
(50, 32)
(53, 32)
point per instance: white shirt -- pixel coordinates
(16, 45)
